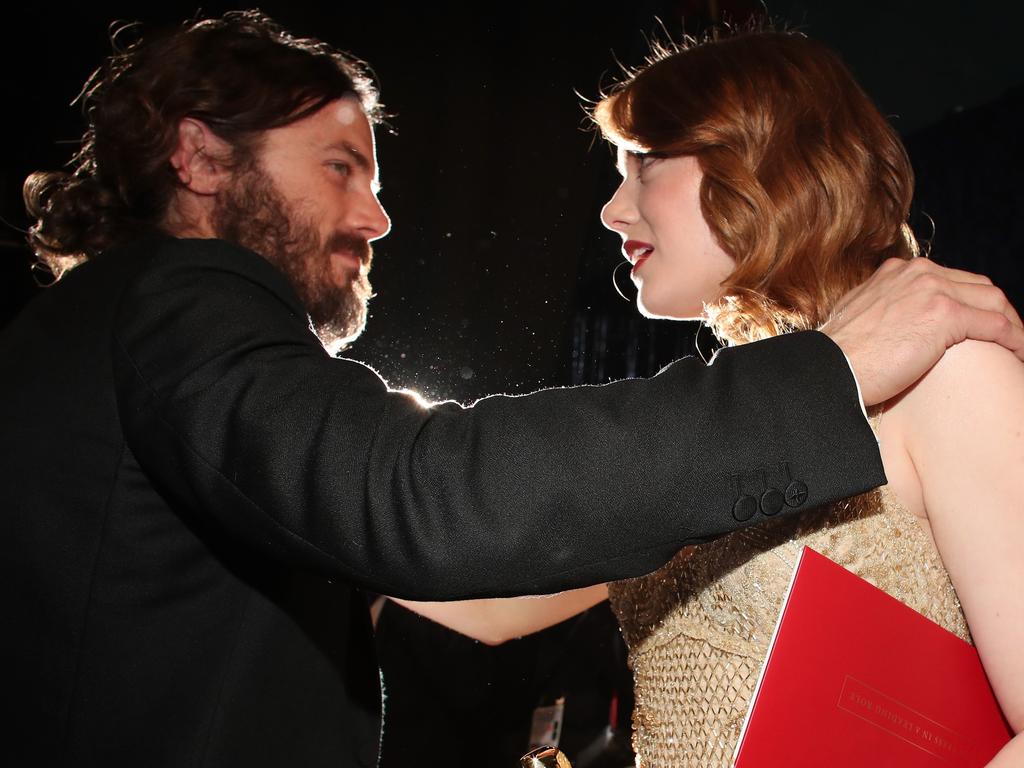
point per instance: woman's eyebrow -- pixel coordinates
(620, 161)
(624, 155)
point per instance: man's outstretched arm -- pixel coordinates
(229, 402)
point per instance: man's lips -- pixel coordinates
(346, 265)
(349, 251)
(346, 258)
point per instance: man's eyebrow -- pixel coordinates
(357, 157)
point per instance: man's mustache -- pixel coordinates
(357, 246)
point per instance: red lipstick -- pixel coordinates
(637, 252)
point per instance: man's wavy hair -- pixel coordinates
(805, 184)
(241, 74)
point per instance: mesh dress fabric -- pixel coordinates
(698, 628)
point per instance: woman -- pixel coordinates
(759, 185)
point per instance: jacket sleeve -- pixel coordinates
(235, 412)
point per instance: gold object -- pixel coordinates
(698, 629)
(545, 757)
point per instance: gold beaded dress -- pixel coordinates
(698, 629)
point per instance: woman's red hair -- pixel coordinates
(805, 184)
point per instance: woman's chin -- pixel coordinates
(656, 310)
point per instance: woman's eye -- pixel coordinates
(643, 166)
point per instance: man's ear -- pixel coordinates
(201, 161)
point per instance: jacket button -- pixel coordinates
(744, 508)
(772, 501)
(796, 493)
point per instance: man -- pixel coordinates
(197, 489)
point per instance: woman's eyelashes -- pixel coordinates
(645, 161)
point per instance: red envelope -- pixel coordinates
(854, 677)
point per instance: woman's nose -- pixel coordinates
(619, 212)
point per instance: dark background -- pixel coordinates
(497, 275)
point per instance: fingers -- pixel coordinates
(924, 276)
(986, 325)
(985, 297)
(914, 310)
(972, 309)
(950, 273)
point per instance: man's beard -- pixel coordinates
(254, 214)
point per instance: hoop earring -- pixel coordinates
(42, 275)
(615, 282)
(696, 344)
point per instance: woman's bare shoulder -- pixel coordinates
(976, 388)
(972, 377)
(964, 433)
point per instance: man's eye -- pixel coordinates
(344, 169)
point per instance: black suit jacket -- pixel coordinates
(195, 491)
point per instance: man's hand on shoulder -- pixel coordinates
(896, 325)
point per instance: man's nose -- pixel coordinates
(370, 218)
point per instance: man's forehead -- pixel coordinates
(341, 119)
(347, 111)
(343, 125)
(344, 118)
